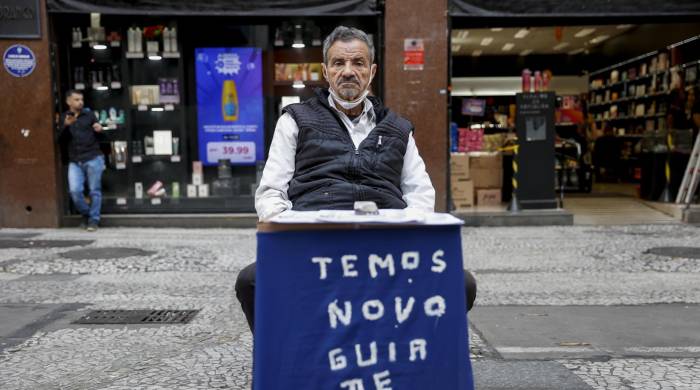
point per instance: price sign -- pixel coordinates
(235, 151)
(121, 201)
(155, 201)
(136, 159)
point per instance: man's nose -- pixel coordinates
(347, 70)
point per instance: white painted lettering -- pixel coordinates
(418, 346)
(338, 361)
(410, 260)
(392, 352)
(435, 306)
(402, 314)
(349, 270)
(382, 380)
(372, 355)
(387, 262)
(439, 263)
(352, 384)
(322, 262)
(371, 315)
(335, 314)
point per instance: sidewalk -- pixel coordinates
(575, 307)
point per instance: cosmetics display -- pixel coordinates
(296, 72)
(168, 91)
(118, 154)
(145, 94)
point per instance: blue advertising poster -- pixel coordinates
(229, 105)
(360, 310)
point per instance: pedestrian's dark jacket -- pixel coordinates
(330, 173)
(80, 139)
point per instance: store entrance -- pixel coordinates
(626, 115)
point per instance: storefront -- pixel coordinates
(189, 94)
(611, 68)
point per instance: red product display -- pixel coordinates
(470, 140)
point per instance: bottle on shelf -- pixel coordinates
(138, 40)
(173, 39)
(166, 40)
(229, 101)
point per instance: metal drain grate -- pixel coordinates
(97, 317)
(29, 244)
(105, 253)
(676, 251)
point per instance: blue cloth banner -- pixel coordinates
(361, 309)
(229, 105)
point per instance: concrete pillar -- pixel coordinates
(28, 169)
(421, 95)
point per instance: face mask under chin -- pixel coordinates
(346, 104)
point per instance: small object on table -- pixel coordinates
(366, 208)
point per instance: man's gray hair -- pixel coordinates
(345, 34)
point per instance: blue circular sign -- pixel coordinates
(19, 60)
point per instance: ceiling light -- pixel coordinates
(298, 84)
(102, 88)
(525, 52)
(623, 26)
(508, 46)
(561, 46)
(486, 41)
(157, 109)
(476, 53)
(576, 51)
(456, 47)
(522, 33)
(496, 29)
(599, 39)
(584, 32)
(99, 46)
(155, 57)
(298, 40)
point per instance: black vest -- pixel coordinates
(330, 173)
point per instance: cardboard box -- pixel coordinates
(459, 166)
(486, 160)
(488, 197)
(486, 170)
(462, 193)
(191, 191)
(203, 191)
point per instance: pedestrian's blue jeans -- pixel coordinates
(77, 173)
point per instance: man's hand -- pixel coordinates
(97, 127)
(70, 119)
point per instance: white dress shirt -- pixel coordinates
(271, 196)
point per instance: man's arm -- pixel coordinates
(271, 196)
(62, 131)
(418, 191)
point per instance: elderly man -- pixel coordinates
(339, 147)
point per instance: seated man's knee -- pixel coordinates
(245, 280)
(470, 285)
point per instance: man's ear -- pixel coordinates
(324, 70)
(373, 70)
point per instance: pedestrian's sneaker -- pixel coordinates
(92, 226)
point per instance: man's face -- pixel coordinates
(349, 69)
(75, 101)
